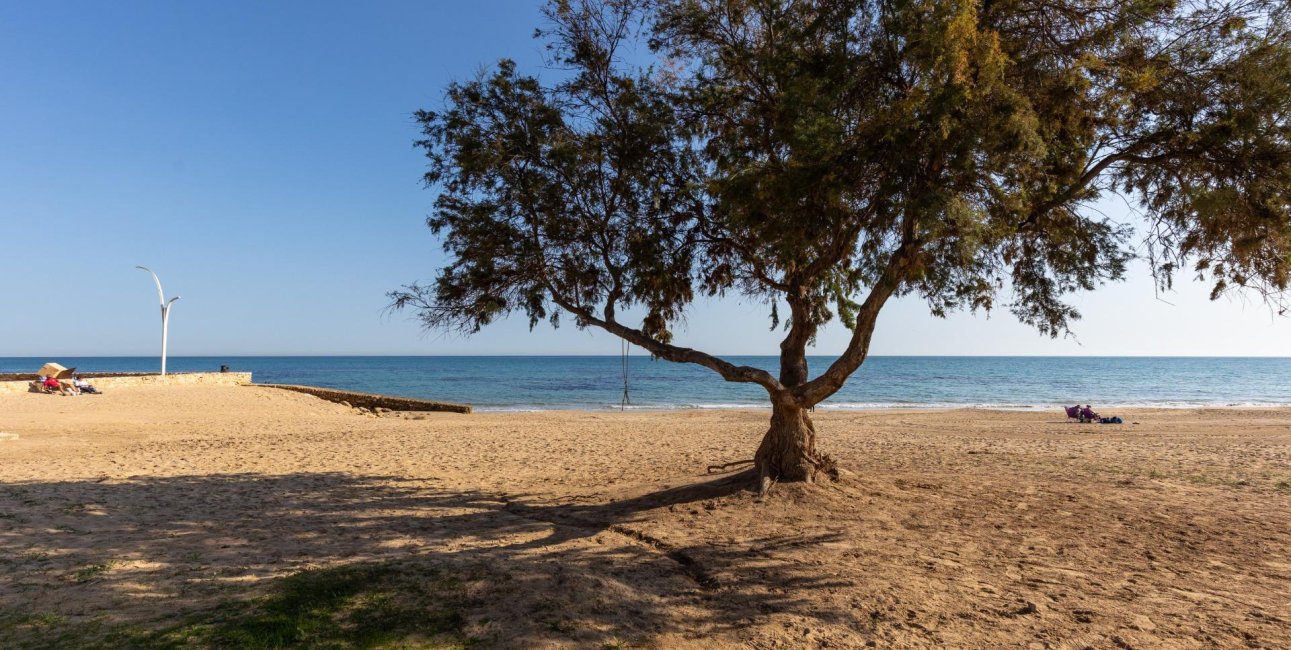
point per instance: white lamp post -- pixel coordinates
(165, 315)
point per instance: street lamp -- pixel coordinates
(165, 315)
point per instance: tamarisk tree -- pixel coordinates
(824, 156)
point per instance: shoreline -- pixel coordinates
(596, 383)
(11, 384)
(344, 393)
(912, 408)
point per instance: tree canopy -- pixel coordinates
(826, 155)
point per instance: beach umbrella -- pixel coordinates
(56, 371)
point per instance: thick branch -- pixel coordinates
(728, 370)
(802, 324)
(828, 383)
(793, 359)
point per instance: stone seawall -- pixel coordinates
(28, 376)
(370, 401)
(106, 384)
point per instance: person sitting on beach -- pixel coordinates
(1087, 414)
(52, 384)
(83, 386)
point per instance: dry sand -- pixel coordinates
(951, 528)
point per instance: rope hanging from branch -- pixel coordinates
(623, 405)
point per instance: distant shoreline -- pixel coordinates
(598, 383)
(885, 409)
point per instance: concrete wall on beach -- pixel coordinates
(106, 384)
(370, 401)
(28, 376)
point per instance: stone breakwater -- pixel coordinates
(373, 402)
(106, 384)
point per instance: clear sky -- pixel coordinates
(259, 157)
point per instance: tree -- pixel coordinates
(826, 155)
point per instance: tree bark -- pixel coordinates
(788, 450)
(793, 349)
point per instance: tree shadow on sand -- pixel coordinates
(149, 552)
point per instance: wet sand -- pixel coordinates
(960, 528)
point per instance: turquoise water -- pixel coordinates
(524, 383)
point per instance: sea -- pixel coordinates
(527, 383)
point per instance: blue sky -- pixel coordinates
(259, 157)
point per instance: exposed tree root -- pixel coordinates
(765, 481)
(788, 450)
(822, 465)
(825, 464)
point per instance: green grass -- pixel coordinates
(364, 606)
(86, 574)
(44, 619)
(360, 606)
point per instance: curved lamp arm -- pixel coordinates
(161, 296)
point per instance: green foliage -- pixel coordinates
(829, 154)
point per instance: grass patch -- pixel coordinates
(360, 606)
(41, 620)
(86, 574)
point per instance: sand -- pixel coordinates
(960, 528)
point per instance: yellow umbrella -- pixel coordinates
(56, 371)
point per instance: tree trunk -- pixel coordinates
(788, 450)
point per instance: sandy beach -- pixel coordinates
(134, 513)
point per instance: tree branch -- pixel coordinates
(728, 370)
(828, 383)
